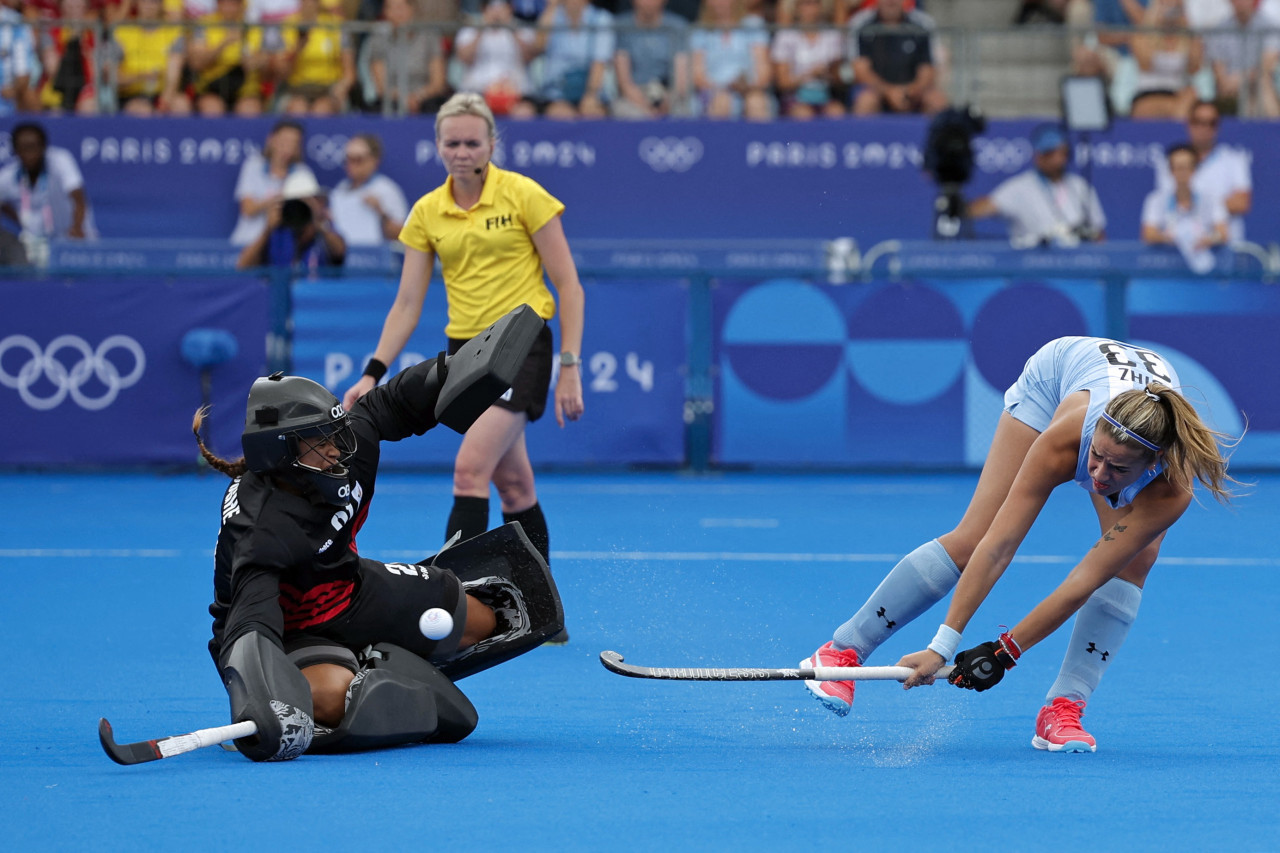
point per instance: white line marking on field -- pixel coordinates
(739, 522)
(627, 556)
(74, 553)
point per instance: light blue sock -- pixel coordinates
(1101, 626)
(913, 586)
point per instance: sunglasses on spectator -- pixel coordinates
(1207, 122)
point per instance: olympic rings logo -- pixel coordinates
(670, 154)
(92, 363)
(328, 152)
(1001, 155)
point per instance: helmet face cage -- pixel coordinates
(338, 432)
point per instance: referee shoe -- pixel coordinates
(1058, 728)
(836, 696)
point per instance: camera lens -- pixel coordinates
(295, 213)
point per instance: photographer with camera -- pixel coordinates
(1046, 206)
(298, 233)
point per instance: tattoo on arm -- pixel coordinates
(1107, 537)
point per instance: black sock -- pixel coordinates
(470, 515)
(535, 527)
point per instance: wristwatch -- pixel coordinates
(569, 359)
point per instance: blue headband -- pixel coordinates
(1124, 429)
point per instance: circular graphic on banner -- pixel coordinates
(784, 339)
(1021, 318)
(909, 344)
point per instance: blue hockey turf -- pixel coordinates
(107, 579)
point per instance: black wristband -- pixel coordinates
(376, 369)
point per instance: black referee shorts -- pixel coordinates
(529, 393)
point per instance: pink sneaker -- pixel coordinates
(1058, 728)
(837, 696)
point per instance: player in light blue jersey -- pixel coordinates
(1107, 415)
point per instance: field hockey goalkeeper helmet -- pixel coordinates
(283, 413)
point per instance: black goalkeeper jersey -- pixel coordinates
(286, 562)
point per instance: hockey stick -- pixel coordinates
(613, 662)
(167, 747)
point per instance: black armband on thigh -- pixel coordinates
(265, 687)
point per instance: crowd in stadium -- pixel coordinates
(756, 59)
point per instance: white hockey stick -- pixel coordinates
(167, 747)
(614, 663)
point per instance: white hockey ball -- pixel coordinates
(435, 624)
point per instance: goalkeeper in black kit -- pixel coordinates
(319, 647)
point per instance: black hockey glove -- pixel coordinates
(982, 667)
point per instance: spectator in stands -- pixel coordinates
(262, 178)
(1046, 205)
(1222, 173)
(577, 44)
(1179, 216)
(42, 190)
(19, 67)
(687, 10)
(1167, 59)
(228, 60)
(496, 55)
(784, 13)
(1041, 12)
(148, 56)
(806, 61)
(407, 63)
(893, 65)
(1244, 62)
(298, 233)
(650, 64)
(273, 11)
(185, 11)
(731, 72)
(1099, 53)
(315, 62)
(68, 52)
(368, 208)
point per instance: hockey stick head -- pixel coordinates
(128, 753)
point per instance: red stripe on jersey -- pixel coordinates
(357, 523)
(314, 606)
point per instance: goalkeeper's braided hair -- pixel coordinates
(231, 469)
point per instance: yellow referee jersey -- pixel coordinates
(487, 256)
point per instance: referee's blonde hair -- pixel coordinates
(1167, 419)
(467, 104)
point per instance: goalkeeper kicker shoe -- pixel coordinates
(1058, 728)
(837, 696)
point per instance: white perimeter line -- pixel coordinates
(626, 556)
(72, 553)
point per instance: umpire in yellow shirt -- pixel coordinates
(495, 232)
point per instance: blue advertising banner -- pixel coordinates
(913, 373)
(108, 371)
(633, 361)
(637, 180)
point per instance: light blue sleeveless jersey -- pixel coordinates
(1100, 366)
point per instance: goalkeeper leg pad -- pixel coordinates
(502, 569)
(265, 687)
(399, 698)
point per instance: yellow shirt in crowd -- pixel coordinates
(246, 41)
(319, 61)
(144, 50)
(487, 256)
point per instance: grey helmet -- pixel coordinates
(284, 410)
